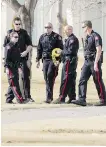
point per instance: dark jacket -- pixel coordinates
(12, 55)
(23, 42)
(47, 43)
(71, 46)
(91, 42)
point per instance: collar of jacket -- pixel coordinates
(49, 34)
(71, 35)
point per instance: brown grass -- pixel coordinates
(38, 84)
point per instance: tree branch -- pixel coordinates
(13, 4)
(30, 4)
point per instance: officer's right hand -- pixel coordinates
(59, 52)
(38, 64)
(7, 71)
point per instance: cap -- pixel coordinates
(87, 23)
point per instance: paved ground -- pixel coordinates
(54, 126)
(16, 116)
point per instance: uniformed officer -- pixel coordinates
(25, 46)
(12, 65)
(68, 77)
(47, 43)
(92, 66)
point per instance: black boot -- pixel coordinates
(10, 102)
(100, 104)
(79, 102)
(25, 101)
(59, 101)
(31, 100)
(48, 101)
(70, 101)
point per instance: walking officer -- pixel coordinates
(92, 66)
(68, 76)
(25, 46)
(12, 65)
(47, 43)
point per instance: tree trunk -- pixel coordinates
(26, 19)
(59, 16)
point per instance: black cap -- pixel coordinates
(87, 23)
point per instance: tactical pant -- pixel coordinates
(68, 80)
(50, 72)
(26, 79)
(13, 89)
(87, 71)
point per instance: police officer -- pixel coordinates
(92, 66)
(12, 65)
(47, 43)
(68, 76)
(25, 46)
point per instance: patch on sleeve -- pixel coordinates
(60, 38)
(8, 35)
(96, 38)
(71, 41)
(55, 35)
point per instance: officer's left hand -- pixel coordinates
(7, 71)
(96, 67)
(59, 52)
(20, 71)
(23, 54)
(57, 63)
(38, 64)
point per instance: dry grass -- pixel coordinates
(38, 84)
(52, 132)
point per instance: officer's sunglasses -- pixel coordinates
(16, 37)
(17, 24)
(83, 27)
(48, 27)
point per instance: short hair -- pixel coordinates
(87, 23)
(16, 19)
(49, 24)
(68, 27)
(12, 34)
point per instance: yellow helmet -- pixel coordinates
(55, 55)
(55, 52)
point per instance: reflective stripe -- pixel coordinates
(67, 69)
(18, 96)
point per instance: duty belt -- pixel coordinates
(46, 56)
(91, 56)
(13, 64)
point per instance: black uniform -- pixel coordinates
(46, 44)
(68, 77)
(23, 42)
(91, 42)
(12, 63)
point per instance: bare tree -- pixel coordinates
(26, 12)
